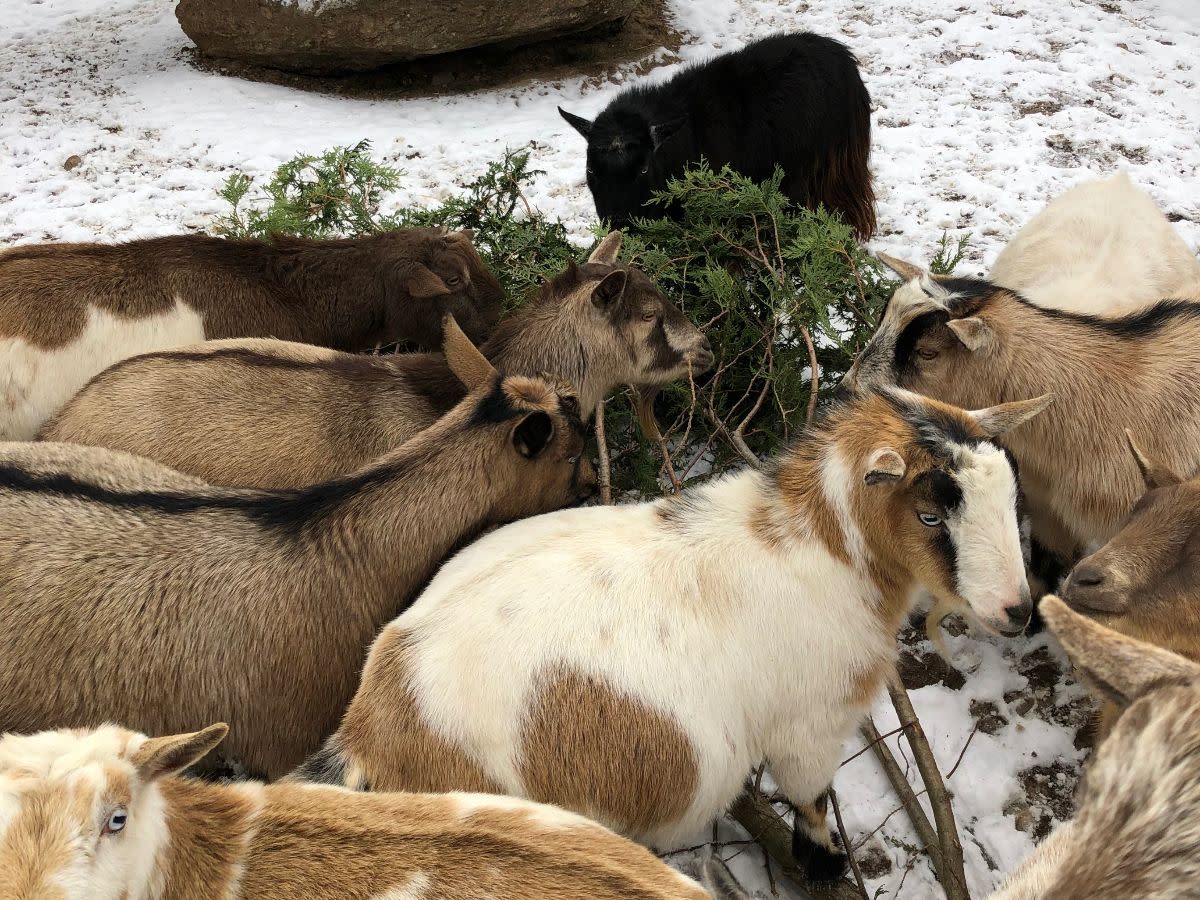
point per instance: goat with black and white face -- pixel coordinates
(671, 646)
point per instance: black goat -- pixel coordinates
(790, 100)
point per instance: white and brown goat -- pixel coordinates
(1136, 831)
(161, 603)
(633, 663)
(971, 343)
(1103, 247)
(102, 815)
(68, 311)
(262, 413)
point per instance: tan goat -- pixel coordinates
(258, 413)
(102, 815)
(969, 342)
(1137, 826)
(634, 662)
(68, 311)
(162, 603)
(1103, 247)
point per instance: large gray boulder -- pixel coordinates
(324, 36)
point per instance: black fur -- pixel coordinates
(326, 766)
(791, 100)
(906, 343)
(494, 408)
(816, 860)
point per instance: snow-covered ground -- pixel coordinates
(984, 110)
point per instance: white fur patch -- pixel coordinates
(36, 383)
(837, 478)
(991, 569)
(417, 888)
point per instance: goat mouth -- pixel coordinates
(1093, 601)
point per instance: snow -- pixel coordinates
(985, 109)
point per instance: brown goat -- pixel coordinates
(1137, 824)
(68, 311)
(257, 607)
(260, 413)
(1145, 582)
(969, 342)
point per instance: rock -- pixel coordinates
(324, 36)
(73, 162)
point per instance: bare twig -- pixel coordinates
(952, 876)
(837, 815)
(904, 791)
(754, 813)
(887, 734)
(815, 384)
(605, 473)
(644, 400)
(963, 752)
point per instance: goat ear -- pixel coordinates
(996, 420)
(1119, 668)
(424, 283)
(972, 332)
(606, 251)
(466, 235)
(885, 465)
(608, 292)
(161, 756)
(580, 124)
(905, 270)
(533, 434)
(469, 366)
(1154, 473)
(663, 131)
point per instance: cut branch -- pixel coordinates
(952, 875)
(754, 813)
(846, 845)
(605, 474)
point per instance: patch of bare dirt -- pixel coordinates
(596, 53)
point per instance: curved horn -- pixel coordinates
(1154, 473)
(905, 270)
(470, 366)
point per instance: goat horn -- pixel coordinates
(905, 270)
(470, 366)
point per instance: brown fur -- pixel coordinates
(256, 607)
(256, 413)
(585, 746)
(405, 753)
(1077, 476)
(38, 842)
(351, 294)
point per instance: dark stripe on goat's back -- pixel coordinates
(357, 365)
(287, 511)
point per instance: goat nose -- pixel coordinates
(1087, 576)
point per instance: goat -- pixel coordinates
(1137, 820)
(274, 594)
(795, 101)
(1145, 582)
(632, 663)
(1102, 247)
(256, 413)
(68, 311)
(102, 814)
(971, 343)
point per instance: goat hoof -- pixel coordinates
(818, 862)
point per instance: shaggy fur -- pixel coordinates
(668, 647)
(1103, 248)
(187, 840)
(969, 342)
(1136, 832)
(791, 100)
(131, 593)
(68, 311)
(257, 413)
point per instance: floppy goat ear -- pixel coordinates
(583, 126)
(424, 283)
(161, 756)
(905, 270)
(1119, 668)
(1154, 473)
(884, 466)
(533, 434)
(996, 420)
(469, 366)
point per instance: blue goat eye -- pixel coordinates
(929, 520)
(116, 821)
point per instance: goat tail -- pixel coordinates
(714, 876)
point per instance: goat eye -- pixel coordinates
(116, 821)
(927, 353)
(571, 460)
(649, 317)
(453, 281)
(929, 520)
(645, 168)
